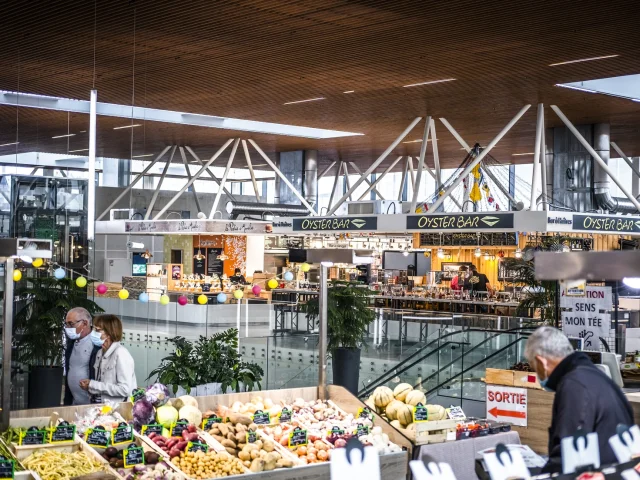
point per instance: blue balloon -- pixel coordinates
(143, 297)
(221, 297)
(288, 276)
(59, 273)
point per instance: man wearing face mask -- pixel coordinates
(80, 355)
(585, 397)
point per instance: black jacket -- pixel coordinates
(585, 398)
(68, 398)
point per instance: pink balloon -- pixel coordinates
(102, 289)
(182, 300)
(256, 289)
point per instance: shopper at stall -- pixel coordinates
(114, 366)
(79, 355)
(457, 282)
(585, 397)
(477, 282)
(238, 278)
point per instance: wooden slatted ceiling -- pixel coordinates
(246, 58)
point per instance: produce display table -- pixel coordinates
(461, 454)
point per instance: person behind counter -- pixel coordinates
(585, 397)
(482, 285)
(457, 282)
(114, 366)
(237, 277)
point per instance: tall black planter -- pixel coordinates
(346, 368)
(45, 387)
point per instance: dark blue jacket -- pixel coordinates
(68, 398)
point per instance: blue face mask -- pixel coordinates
(543, 384)
(95, 338)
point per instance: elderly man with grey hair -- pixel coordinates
(80, 355)
(585, 397)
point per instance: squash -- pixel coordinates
(396, 424)
(382, 396)
(370, 403)
(405, 415)
(392, 409)
(401, 391)
(436, 412)
(414, 397)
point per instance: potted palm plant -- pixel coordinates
(348, 319)
(41, 307)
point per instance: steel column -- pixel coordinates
(436, 155)
(543, 166)
(195, 177)
(536, 157)
(322, 342)
(597, 157)
(403, 180)
(479, 158)
(423, 153)
(326, 170)
(367, 181)
(282, 177)
(157, 192)
(213, 177)
(382, 175)
(193, 188)
(335, 186)
(216, 200)
(7, 334)
(412, 174)
(91, 190)
(251, 172)
(347, 183)
(132, 184)
(626, 159)
(375, 164)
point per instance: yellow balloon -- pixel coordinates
(17, 275)
(164, 299)
(272, 284)
(37, 262)
(238, 294)
(81, 282)
(305, 267)
(202, 299)
(123, 294)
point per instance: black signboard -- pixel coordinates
(335, 431)
(420, 413)
(298, 437)
(365, 413)
(199, 264)
(122, 434)
(178, 427)
(6, 468)
(207, 423)
(214, 266)
(137, 394)
(331, 224)
(33, 436)
(197, 446)
(618, 224)
(64, 432)
(470, 239)
(252, 436)
(460, 221)
(97, 437)
(285, 415)
(151, 428)
(261, 418)
(361, 430)
(133, 455)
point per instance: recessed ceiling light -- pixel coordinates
(262, 165)
(429, 83)
(80, 150)
(580, 60)
(145, 155)
(522, 154)
(83, 131)
(304, 101)
(419, 140)
(7, 144)
(349, 91)
(127, 126)
(64, 136)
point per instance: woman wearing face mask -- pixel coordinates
(114, 366)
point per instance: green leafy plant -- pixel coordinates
(213, 359)
(348, 314)
(41, 307)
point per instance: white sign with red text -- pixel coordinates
(507, 404)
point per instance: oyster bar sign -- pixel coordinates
(463, 221)
(565, 222)
(318, 224)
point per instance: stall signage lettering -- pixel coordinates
(133, 456)
(587, 316)
(285, 415)
(122, 434)
(606, 224)
(507, 404)
(261, 418)
(460, 221)
(208, 423)
(178, 427)
(97, 437)
(151, 428)
(420, 413)
(6, 468)
(195, 226)
(335, 223)
(63, 433)
(33, 436)
(197, 446)
(298, 437)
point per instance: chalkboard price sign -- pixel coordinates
(298, 437)
(133, 455)
(64, 432)
(33, 436)
(151, 428)
(197, 446)
(122, 434)
(335, 431)
(97, 437)
(361, 430)
(137, 394)
(7, 468)
(178, 427)
(252, 436)
(285, 415)
(207, 423)
(365, 413)
(261, 418)
(420, 413)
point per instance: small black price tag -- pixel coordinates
(151, 428)
(197, 446)
(261, 418)
(137, 394)
(122, 434)
(208, 423)
(33, 436)
(252, 436)
(285, 415)
(178, 427)
(64, 432)
(97, 437)
(420, 413)
(365, 413)
(361, 430)
(335, 431)
(133, 456)
(298, 437)
(7, 468)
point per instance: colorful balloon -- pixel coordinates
(288, 276)
(81, 282)
(17, 275)
(102, 289)
(37, 262)
(305, 267)
(164, 299)
(182, 300)
(256, 289)
(221, 297)
(144, 297)
(238, 294)
(123, 294)
(272, 284)
(202, 299)
(59, 273)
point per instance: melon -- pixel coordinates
(405, 415)
(392, 409)
(411, 427)
(414, 397)
(401, 391)
(436, 412)
(382, 396)
(369, 403)
(396, 424)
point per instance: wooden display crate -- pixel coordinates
(512, 378)
(437, 431)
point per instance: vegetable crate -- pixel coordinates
(512, 378)
(437, 431)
